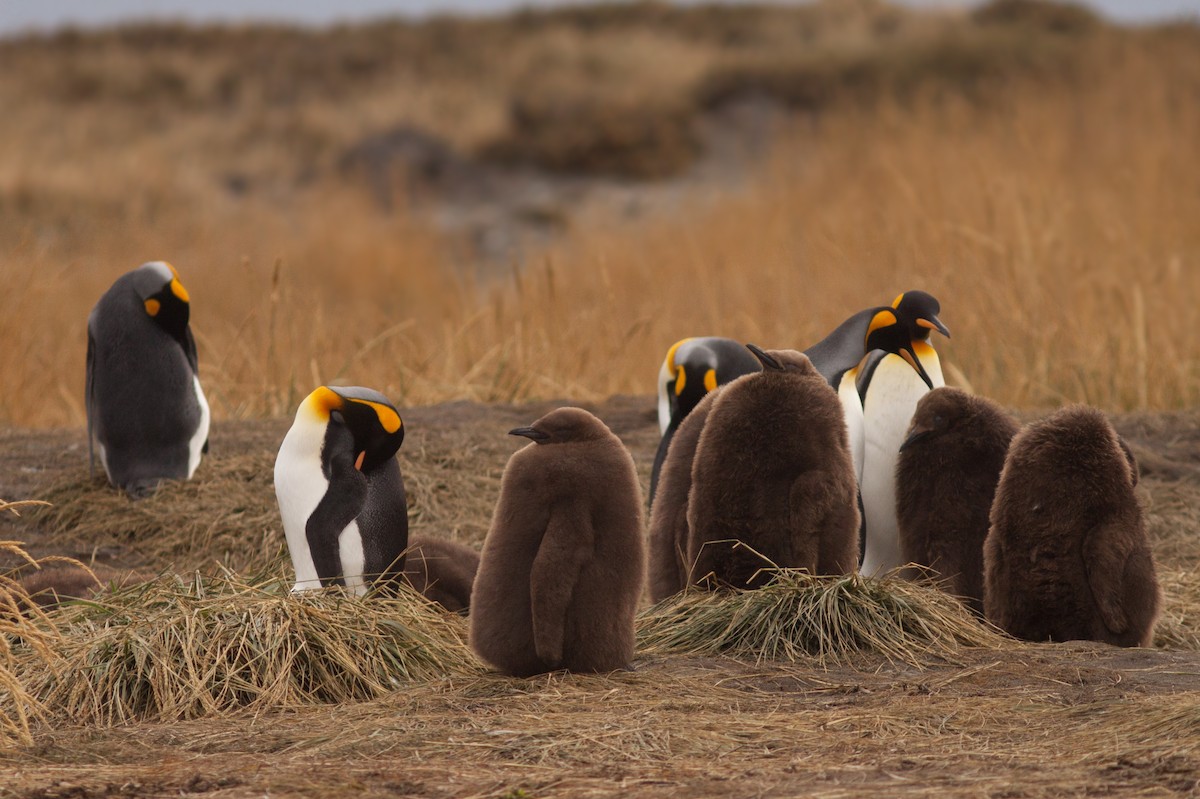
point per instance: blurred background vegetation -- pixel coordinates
(537, 205)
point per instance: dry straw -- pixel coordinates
(797, 617)
(23, 642)
(200, 646)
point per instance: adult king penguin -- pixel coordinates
(900, 368)
(693, 367)
(340, 491)
(146, 412)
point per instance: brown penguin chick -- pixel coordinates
(945, 480)
(1067, 557)
(773, 471)
(443, 571)
(564, 562)
(668, 538)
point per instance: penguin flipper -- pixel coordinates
(1106, 550)
(89, 402)
(660, 457)
(189, 349)
(343, 501)
(563, 552)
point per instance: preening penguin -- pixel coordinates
(146, 413)
(1067, 556)
(564, 562)
(899, 370)
(443, 571)
(668, 539)
(945, 480)
(693, 367)
(340, 491)
(773, 470)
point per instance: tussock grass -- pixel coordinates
(24, 643)
(798, 617)
(180, 648)
(226, 515)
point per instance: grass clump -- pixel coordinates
(797, 617)
(193, 647)
(22, 641)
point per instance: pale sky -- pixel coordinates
(43, 15)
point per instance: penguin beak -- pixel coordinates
(358, 462)
(915, 363)
(918, 434)
(767, 361)
(531, 433)
(935, 324)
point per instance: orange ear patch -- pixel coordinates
(881, 319)
(710, 380)
(389, 420)
(152, 307)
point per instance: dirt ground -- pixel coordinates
(1016, 721)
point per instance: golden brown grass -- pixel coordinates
(798, 617)
(24, 643)
(199, 646)
(1054, 218)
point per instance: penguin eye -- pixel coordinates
(939, 421)
(336, 416)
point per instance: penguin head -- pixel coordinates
(360, 417)
(562, 426)
(783, 360)
(938, 413)
(163, 297)
(694, 374)
(910, 319)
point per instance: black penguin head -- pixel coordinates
(783, 360)
(373, 424)
(163, 296)
(938, 413)
(695, 374)
(562, 426)
(899, 328)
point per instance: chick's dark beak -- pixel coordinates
(531, 433)
(917, 435)
(766, 360)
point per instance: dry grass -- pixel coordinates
(182, 648)
(23, 643)
(798, 617)
(1055, 215)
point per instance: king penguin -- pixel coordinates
(899, 369)
(340, 492)
(693, 367)
(146, 413)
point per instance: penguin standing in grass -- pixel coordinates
(693, 367)
(147, 416)
(564, 562)
(340, 491)
(945, 481)
(772, 482)
(1067, 557)
(900, 368)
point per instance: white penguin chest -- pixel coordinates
(891, 399)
